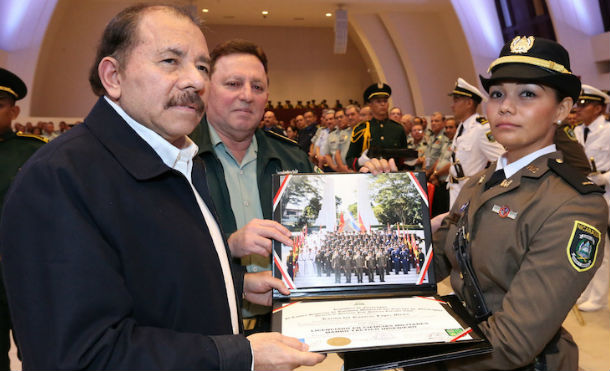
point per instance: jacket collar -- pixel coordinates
(535, 169)
(130, 150)
(267, 150)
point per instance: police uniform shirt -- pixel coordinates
(436, 144)
(332, 143)
(322, 138)
(344, 140)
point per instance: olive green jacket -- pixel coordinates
(276, 153)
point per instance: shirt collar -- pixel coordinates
(170, 154)
(597, 122)
(513, 168)
(216, 140)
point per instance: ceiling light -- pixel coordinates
(205, 10)
(265, 12)
(329, 14)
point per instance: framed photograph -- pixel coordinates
(353, 234)
(361, 274)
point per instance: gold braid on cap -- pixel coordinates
(529, 60)
(9, 90)
(591, 97)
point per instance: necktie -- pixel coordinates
(496, 178)
(460, 131)
(587, 130)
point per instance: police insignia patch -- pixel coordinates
(582, 248)
(490, 136)
(570, 133)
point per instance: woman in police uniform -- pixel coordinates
(529, 229)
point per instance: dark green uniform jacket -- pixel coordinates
(275, 154)
(14, 151)
(384, 134)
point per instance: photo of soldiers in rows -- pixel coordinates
(340, 258)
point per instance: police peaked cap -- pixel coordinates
(377, 90)
(593, 94)
(464, 89)
(12, 84)
(534, 60)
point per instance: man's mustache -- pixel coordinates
(191, 99)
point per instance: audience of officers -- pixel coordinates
(374, 255)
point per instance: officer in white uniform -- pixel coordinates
(594, 135)
(473, 146)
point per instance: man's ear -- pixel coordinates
(108, 70)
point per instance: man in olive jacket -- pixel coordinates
(241, 159)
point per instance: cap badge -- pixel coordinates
(521, 44)
(380, 85)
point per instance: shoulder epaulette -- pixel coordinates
(359, 133)
(34, 136)
(482, 120)
(275, 135)
(574, 177)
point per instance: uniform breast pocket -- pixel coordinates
(464, 147)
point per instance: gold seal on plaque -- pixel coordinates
(338, 341)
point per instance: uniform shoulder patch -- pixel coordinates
(570, 133)
(583, 245)
(33, 136)
(574, 177)
(490, 136)
(482, 120)
(275, 135)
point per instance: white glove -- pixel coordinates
(599, 179)
(363, 158)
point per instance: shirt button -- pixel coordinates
(254, 269)
(241, 172)
(381, 125)
(381, 137)
(246, 203)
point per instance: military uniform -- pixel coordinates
(473, 148)
(374, 133)
(437, 143)
(573, 152)
(532, 221)
(597, 148)
(532, 240)
(345, 136)
(383, 134)
(15, 149)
